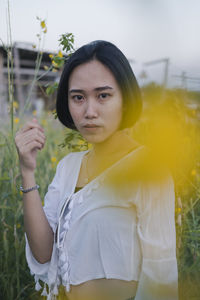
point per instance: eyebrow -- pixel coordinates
(101, 88)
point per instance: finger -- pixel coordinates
(30, 125)
(32, 134)
(29, 139)
(33, 145)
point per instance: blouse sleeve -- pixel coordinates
(157, 235)
(50, 207)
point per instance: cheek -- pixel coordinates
(74, 112)
(113, 118)
(117, 112)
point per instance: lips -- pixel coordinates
(91, 126)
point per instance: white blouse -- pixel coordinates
(104, 233)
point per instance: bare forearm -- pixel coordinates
(29, 139)
(38, 230)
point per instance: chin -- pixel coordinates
(96, 139)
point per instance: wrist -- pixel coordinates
(30, 189)
(28, 179)
(26, 172)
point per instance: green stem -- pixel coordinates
(35, 78)
(10, 71)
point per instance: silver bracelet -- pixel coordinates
(36, 187)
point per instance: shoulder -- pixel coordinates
(140, 165)
(66, 170)
(70, 159)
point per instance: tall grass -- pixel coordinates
(15, 279)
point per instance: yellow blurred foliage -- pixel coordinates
(171, 144)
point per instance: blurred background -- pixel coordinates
(161, 40)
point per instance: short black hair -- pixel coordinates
(112, 57)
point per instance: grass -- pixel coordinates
(15, 279)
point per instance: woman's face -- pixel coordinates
(95, 101)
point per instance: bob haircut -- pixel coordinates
(110, 56)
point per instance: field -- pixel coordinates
(15, 279)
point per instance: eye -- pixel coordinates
(77, 97)
(104, 95)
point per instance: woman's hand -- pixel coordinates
(29, 139)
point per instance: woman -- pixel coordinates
(99, 238)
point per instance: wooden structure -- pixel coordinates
(24, 64)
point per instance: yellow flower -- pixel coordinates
(54, 63)
(89, 146)
(60, 54)
(51, 55)
(193, 172)
(21, 193)
(15, 104)
(80, 142)
(53, 159)
(16, 120)
(45, 31)
(18, 225)
(178, 210)
(54, 70)
(34, 113)
(46, 68)
(43, 24)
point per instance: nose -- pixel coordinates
(91, 111)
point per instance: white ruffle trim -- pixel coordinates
(52, 291)
(63, 274)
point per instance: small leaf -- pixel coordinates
(51, 89)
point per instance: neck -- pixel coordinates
(115, 147)
(105, 154)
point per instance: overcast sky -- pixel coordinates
(144, 30)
